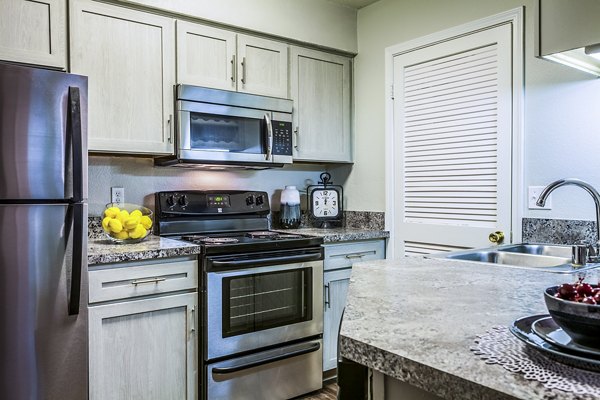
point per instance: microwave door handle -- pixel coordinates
(269, 137)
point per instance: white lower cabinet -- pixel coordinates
(336, 290)
(143, 347)
(339, 258)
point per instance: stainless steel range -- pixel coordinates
(262, 296)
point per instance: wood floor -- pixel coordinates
(329, 392)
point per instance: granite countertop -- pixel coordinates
(415, 319)
(340, 234)
(103, 251)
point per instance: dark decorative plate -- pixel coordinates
(548, 330)
(521, 328)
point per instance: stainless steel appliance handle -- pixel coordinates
(268, 260)
(74, 129)
(311, 347)
(79, 215)
(269, 137)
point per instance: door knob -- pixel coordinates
(496, 237)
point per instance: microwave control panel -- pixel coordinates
(282, 138)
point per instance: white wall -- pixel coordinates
(141, 180)
(319, 22)
(562, 117)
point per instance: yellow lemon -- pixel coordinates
(111, 212)
(146, 221)
(123, 215)
(105, 222)
(138, 232)
(121, 235)
(115, 225)
(135, 213)
(131, 222)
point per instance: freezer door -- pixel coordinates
(43, 338)
(43, 135)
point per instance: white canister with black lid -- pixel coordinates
(289, 217)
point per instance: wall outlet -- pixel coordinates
(117, 195)
(534, 194)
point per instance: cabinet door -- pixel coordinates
(34, 32)
(129, 57)
(144, 349)
(320, 88)
(205, 56)
(336, 291)
(262, 66)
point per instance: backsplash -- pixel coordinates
(367, 220)
(370, 220)
(558, 231)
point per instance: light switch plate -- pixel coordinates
(534, 194)
(117, 195)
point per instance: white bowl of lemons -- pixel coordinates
(126, 223)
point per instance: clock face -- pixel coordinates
(325, 203)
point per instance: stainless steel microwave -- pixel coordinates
(223, 128)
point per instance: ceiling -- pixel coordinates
(355, 3)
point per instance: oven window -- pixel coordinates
(226, 133)
(261, 301)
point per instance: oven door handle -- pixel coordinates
(253, 364)
(267, 260)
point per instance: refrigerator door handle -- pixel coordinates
(79, 214)
(74, 126)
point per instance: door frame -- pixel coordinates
(513, 17)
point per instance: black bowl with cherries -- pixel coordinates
(576, 309)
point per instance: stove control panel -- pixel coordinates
(198, 203)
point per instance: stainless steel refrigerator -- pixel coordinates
(43, 234)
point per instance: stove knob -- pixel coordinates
(171, 201)
(183, 201)
(259, 200)
(250, 200)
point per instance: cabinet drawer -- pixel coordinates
(125, 280)
(343, 255)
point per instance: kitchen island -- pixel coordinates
(414, 320)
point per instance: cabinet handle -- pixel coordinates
(296, 132)
(233, 66)
(327, 296)
(170, 128)
(244, 70)
(193, 312)
(148, 280)
(359, 255)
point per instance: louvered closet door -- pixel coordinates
(453, 129)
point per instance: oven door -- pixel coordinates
(255, 307)
(211, 132)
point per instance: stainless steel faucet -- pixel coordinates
(541, 201)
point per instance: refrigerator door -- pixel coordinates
(43, 137)
(43, 302)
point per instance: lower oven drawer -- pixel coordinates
(276, 374)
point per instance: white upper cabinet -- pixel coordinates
(320, 88)
(34, 32)
(129, 57)
(205, 56)
(222, 59)
(262, 66)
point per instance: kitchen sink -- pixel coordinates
(552, 258)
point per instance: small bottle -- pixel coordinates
(289, 216)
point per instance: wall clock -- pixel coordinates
(325, 202)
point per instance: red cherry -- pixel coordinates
(589, 300)
(585, 289)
